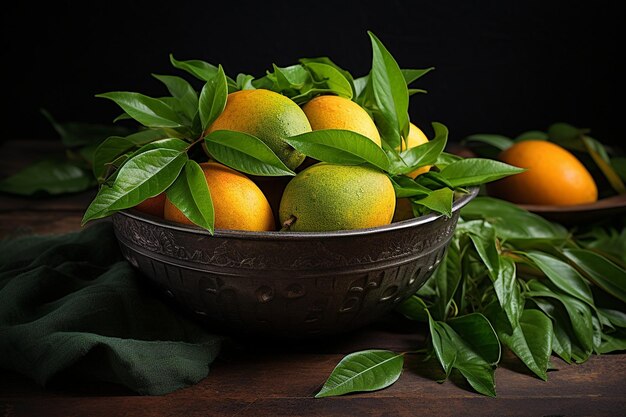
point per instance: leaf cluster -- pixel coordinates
(512, 280)
(161, 157)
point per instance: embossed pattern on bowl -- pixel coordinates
(283, 283)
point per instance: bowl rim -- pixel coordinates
(287, 235)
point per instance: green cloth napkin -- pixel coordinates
(71, 304)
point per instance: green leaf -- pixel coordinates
(565, 277)
(607, 241)
(199, 69)
(314, 76)
(334, 79)
(179, 109)
(83, 156)
(413, 91)
(245, 153)
(452, 351)
(590, 144)
(165, 143)
(53, 176)
(407, 187)
(121, 117)
(476, 171)
(439, 201)
(294, 77)
(508, 291)
(476, 331)
(148, 111)
(328, 61)
(599, 270)
(266, 82)
(579, 313)
(180, 89)
(306, 95)
(213, 99)
(147, 135)
(107, 152)
(472, 270)
(367, 370)
(497, 141)
(446, 278)
(483, 236)
(143, 176)
(113, 147)
(244, 82)
(613, 342)
(446, 159)
(367, 100)
(390, 92)
(411, 75)
(443, 345)
(428, 291)
(617, 318)
(75, 134)
(487, 145)
(340, 147)
(597, 332)
(433, 180)
(599, 156)
(574, 138)
(360, 86)
(425, 154)
(480, 376)
(512, 222)
(191, 195)
(531, 341)
(603, 319)
(619, 166)
(562, 332)
(413, 308)
(565, 135)
(531, 135)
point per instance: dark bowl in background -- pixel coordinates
(287, 284)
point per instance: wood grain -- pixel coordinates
(283, 385)
(279, 378)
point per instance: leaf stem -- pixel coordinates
(111, 168)
(200, 139)
(287, 223)
(415, 352)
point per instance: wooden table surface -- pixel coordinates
(281, 379)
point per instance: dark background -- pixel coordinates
(500, 66)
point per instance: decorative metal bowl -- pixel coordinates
(287, 284)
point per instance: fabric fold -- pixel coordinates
(71, 304)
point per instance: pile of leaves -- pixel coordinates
(510, 280)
